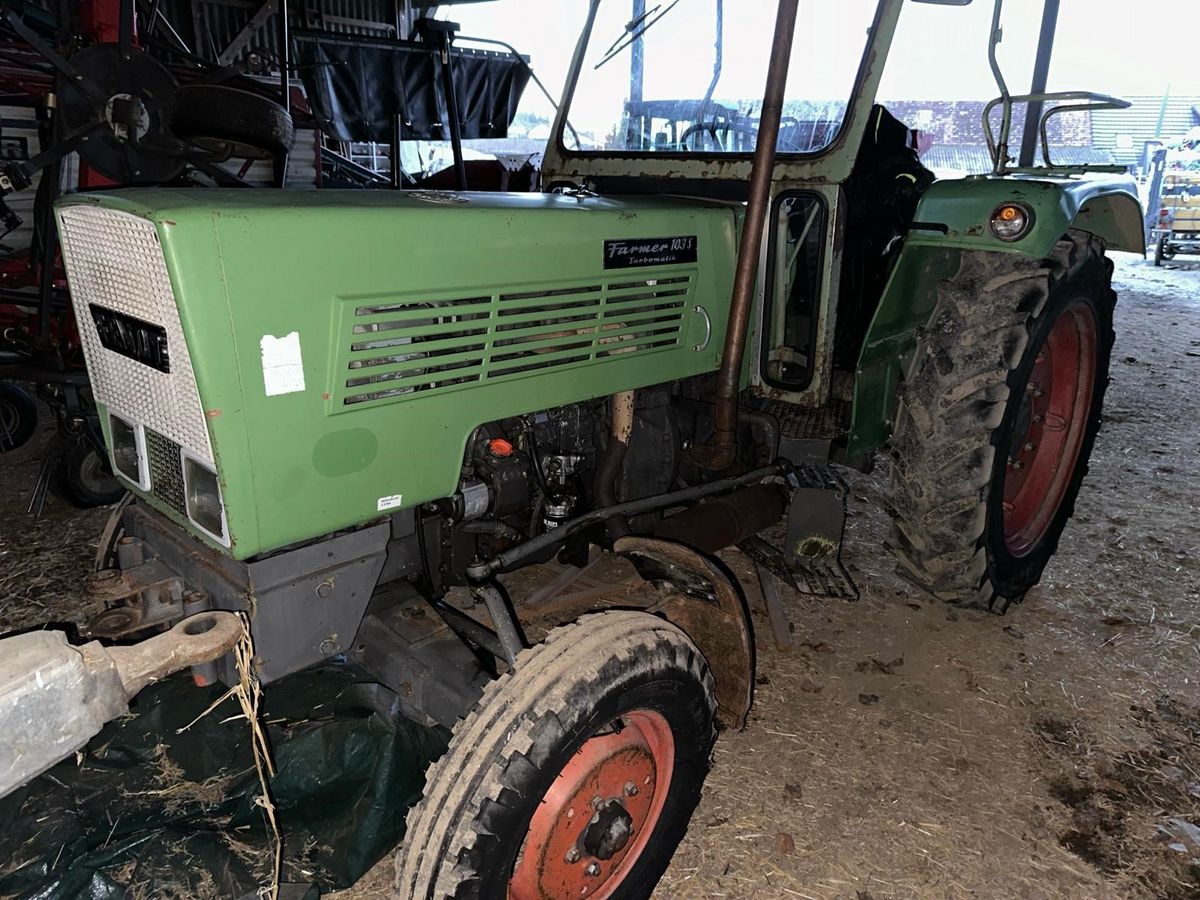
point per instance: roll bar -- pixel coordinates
(1069, 101)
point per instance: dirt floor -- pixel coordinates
(904, 749)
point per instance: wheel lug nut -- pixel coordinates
(573, 855)
(592, 869)
(1017, 464)
(630, 789)
(1029, 447)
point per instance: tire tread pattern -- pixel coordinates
(516, 724)
(951, 404)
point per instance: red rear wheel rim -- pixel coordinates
(597, 818)
(1050, 428)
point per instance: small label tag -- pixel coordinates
(628, 254)
(283, 368)
(391, 502)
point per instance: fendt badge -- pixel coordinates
(144, 342)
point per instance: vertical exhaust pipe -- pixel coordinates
(613, 460)
(720, 454)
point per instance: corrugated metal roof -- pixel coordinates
(1139, 124)
(209, 26)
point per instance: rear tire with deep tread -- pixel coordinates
(464, 837)
(956, 419)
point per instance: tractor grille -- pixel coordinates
(397, 347)
(139, 364)
(166, 471)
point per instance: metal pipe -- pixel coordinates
(721, 454)
(285, 85)
(493, 528)
(464, 626)
(613, 461)
(634, 138)
(1041, 77)
(709, 527)
(450, 88)
(767, 424)
(505, 621)
(482, 570)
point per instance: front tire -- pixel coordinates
(575, 775)
(997, 420)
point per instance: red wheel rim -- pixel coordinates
(1050, 427)
(598, 816)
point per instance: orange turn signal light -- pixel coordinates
(1011, 221)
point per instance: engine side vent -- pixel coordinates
(394, 348)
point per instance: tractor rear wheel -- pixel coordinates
(997, 419)
(576, 773)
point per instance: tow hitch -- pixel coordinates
(54, 696)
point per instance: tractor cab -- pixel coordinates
(668, 99)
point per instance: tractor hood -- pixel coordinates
(320, 359)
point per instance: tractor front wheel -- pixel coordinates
(576, 773)
(997, 419)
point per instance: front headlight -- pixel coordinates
(128, 448)
(203, 496)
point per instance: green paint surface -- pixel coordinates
(1103, 205)
(457, 309)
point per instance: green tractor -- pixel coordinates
(353, 414)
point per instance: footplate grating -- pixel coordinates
(811, 423)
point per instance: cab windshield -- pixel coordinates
(687, 76)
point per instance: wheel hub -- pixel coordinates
(609, 830)
(598, 815)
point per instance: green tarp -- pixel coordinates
(149, 811)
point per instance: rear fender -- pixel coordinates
(952, 219)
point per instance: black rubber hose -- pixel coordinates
(493, 528)
(559, 535)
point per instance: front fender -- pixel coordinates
(952, 219)
(956, 212)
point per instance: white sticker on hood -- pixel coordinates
(283, 368)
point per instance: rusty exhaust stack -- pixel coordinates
(721, 453)
(611, 463)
